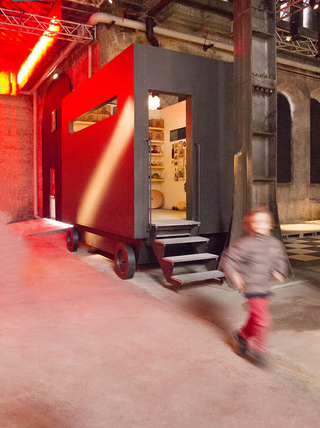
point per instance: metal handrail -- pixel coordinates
(150, 184)
(197, 146)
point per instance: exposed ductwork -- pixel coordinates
(105, 18)
(100, 17)
(149, 32)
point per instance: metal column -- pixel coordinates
(255, 109)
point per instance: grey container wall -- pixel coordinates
(209, 85)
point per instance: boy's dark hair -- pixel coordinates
(258, 209)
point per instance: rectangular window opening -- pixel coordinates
(103, 111)
(178, 134)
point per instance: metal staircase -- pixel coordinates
(178, 247)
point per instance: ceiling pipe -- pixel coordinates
(100, 17)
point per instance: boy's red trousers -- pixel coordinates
(256, 331)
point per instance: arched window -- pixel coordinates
(283, 140)
(314, 142)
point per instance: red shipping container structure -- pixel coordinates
(98, 161)
(105, 157)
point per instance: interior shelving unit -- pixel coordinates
(155, 166)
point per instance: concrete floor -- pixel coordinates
(81, 348)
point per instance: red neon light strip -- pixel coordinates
(38, 52)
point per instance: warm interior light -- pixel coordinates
(4, 83)
(39, 50)
(8, 83)
(55, 76)
(153, 102)
(314, 4)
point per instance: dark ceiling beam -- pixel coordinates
(159, 7)
(218, 7)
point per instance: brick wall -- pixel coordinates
(16, 157)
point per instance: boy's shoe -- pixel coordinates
(242, 344)
(257, 357)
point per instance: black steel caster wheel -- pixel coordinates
(125, 261)
(72, 239)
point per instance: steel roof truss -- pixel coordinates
(37, 25)
(304, 46)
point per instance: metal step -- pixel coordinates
(167, 229)
(177, 223)
(170, 234)
(177, 236)
(196, 277)
(182, 240)
(190, 258)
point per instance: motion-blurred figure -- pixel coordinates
(251, 264)
(12, 253)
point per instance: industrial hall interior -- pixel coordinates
(143, 121)
(135, 136)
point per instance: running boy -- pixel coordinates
(250, 264)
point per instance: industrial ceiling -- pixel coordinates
(211, 19)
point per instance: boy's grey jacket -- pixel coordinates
(255, 257)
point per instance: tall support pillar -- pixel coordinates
(255, 110)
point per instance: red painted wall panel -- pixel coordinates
(98, 161)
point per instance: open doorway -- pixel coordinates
(168, 157)
(51, 147)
